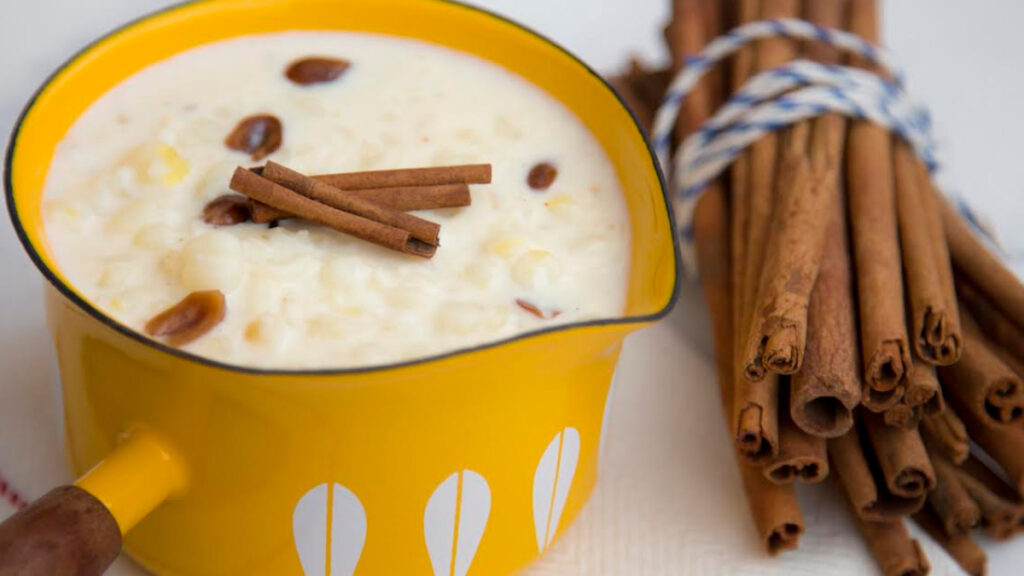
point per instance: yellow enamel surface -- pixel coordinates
(136, 478)
(254, 444)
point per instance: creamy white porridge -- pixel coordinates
(128, 185)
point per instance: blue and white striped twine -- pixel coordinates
(774, 99)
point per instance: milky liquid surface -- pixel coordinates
(126, 189)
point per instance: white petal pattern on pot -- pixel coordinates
(454, 522)
(329, 524)
(551, 484)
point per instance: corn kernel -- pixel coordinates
(175, 167)
(536, 269)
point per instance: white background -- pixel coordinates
(962, 59)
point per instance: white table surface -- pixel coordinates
(669, 503)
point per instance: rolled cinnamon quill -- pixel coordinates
(895, 551)
(956, 509)
(862, 481)
(802, 456)
(1003, 442)
(923, 396)
(755, 409)
(755, 406)
(961, 547)
(420, 229)
(825, 391)
(934, 327)
(983, 268)
(778, 332)
(946, 434)
(403, 199)
(267, 192)
(981, 383)
(940, 249)
(876, 246)
(1001, 508)
(996, 326)
(406, 177)
(773, 507)
(901, 456)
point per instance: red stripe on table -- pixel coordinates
(9, 495)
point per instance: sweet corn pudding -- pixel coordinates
(130, 190)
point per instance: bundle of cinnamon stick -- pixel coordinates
(862, 329)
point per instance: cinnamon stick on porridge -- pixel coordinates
(431, 176)
(401, 189)
(267, 192)
(418, 228)
(405, 198)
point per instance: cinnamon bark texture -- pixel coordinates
(1003, 442)
(267, 192)
(398, 178)
(895, 551)
(933, 327)
(404, 198)
(686, 36)
(940, 249)
(981, 384)
(945, 433)
(418, 228)
(800, 219)
(778, 332)
(773, 507)
(923, 396)
(996, 326)
(872, 205)
(802, 456)
(957, 511)
(1001, 508)
(979, 265)
(828, 387)
(862, 481)
(960, 547)
(901, 456)
(755, 408)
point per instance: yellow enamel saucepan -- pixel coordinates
(465, 463)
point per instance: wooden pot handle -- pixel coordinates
(67, 532)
